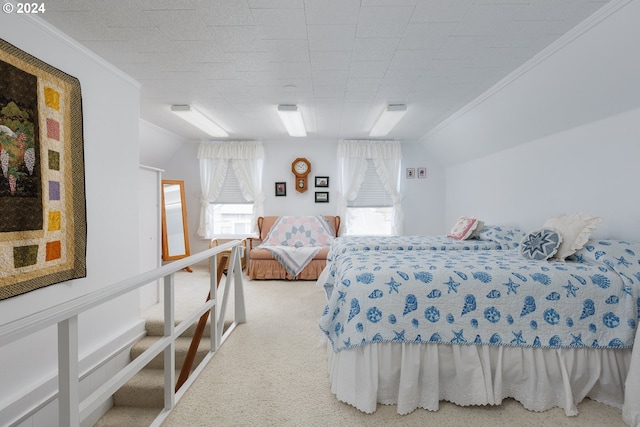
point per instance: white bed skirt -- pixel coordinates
(631, 408)
(421, 375)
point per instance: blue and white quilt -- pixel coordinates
(344, 244)
(509, 237)
(347, 244)
(486, 297)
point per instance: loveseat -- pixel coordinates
(264, 265)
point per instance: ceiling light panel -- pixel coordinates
(388, 119)
(292, 120)
(199, 120)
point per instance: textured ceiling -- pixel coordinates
(340, 61)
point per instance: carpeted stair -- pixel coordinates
(139, 402)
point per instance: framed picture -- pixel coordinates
(322, 197)
(281, 188)
(411, 173)
(322, 181)
(43, 229)
(422, 173)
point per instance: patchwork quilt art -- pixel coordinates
(42, 197)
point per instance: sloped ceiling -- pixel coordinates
(340, 61)
(590, 74)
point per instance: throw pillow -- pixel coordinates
(575, 231)
(540, 245)
(476, 232)
(463, 228)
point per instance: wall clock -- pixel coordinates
(301, 168)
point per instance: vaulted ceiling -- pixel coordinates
(340, 61)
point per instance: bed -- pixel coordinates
(489, 237)
(412, 328)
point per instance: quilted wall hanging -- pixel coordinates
(42, 195)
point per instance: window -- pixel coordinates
(231, 213)
(369, 221)
(231, 218)
(371, 212)
(231, 182)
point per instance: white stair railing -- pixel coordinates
(71, 410)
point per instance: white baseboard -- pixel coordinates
(109, 357)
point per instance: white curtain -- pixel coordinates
(246, 159)
(249, 174)
(212, 173)
(386, 156)
(351, 175)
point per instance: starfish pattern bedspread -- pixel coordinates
(486, 297)
(346, 244)
(343, 244)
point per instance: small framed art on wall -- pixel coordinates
(281, 188)
(322, 197)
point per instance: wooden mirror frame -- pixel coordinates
(166, 255)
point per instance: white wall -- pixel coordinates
(278, 158)
(110, 112)
(157, 145)
(591, 169)
(423, 199)
(569, 130)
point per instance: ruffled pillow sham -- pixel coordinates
(463, 228)
(575, 231)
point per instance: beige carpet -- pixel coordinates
(273, 372)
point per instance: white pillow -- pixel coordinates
(463, 228)
(575, 231)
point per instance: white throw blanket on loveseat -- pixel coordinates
(295, 240)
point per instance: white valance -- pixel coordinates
(243, 150)
(369, 149)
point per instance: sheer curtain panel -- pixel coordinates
(353, 159)
(246, 160)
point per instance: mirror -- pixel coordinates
(175, 237)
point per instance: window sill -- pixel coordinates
(231, 236)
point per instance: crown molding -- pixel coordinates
(76, 46)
